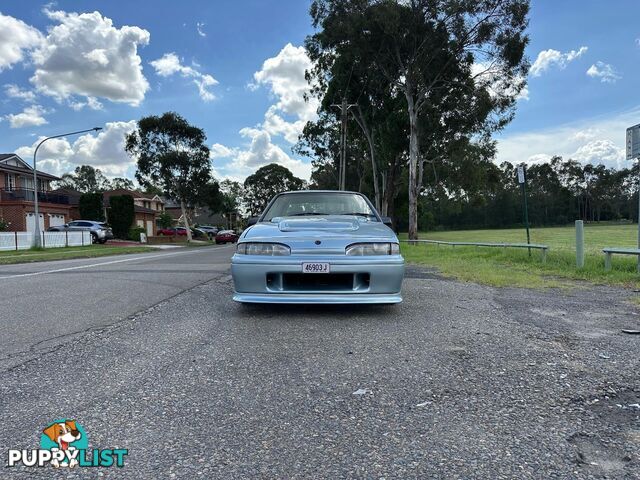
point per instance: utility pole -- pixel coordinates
(342, 169)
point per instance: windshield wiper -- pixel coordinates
(359, 214)
(305, 214)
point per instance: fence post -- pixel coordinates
(579, 243)
(43, 245)
(82, 238)
(16, 239)
(66, 238)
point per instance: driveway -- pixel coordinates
(459, 381)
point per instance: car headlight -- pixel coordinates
(272, 249)
(366, 249)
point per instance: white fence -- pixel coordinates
(24, 240)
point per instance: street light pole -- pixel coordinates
(36, 231)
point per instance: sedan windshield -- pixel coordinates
(321, 203)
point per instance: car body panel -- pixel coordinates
(318, 239)
(226, 236)
(100, 231)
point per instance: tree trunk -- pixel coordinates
(413, 168)
(374, 169)
(185, 220)
(390, 189)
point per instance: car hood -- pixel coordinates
(334, 231)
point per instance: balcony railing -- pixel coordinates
(23, 195)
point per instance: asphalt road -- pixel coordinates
(459, 381)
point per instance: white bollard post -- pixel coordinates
(579, 243)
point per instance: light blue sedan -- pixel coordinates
(318, 246)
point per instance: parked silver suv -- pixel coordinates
(100, 231)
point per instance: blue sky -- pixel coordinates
(235, 68)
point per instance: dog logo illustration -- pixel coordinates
(63, 434)
(64, 443)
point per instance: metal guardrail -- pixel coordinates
(609, 251)
(530, 246)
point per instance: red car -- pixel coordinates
(225, 236)
(171, 231)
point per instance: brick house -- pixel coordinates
(17, 196)
(147, 208)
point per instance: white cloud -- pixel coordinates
(600, 140)
(13, 91)
(200, 29)
(16, 37)
(218, 150)
(260, 151)
(30, 117)
(284, 74)
(604, 72)
(550, 58)
(601, 151)
(104, 150)
(638, 42)
(276, 125)
(169, 64)
(86, 55)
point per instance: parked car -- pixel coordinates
(180, 231)
(318, 246)
(226, 236)
(171, 231)
(209, 230)
(100, 231)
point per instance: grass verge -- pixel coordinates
(44, 255)
(513, 267)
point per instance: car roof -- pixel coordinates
(320, 191)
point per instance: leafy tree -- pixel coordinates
(437, 53)
(172, 155)
(232, 193)
(90, 206)
(211, 197)
(267, 182)
(85, 179)
(153, 190)
(120, 183)
(121, 215)
(165, 220)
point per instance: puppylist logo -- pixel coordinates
(64, 443)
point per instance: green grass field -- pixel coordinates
(513, 267)
(34, 255)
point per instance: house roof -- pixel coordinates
(24, 168)
(139, 209)
(74, 195)
(133, 193)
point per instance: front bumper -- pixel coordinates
(259, 279)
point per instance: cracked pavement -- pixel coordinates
(458, 381)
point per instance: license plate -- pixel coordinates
(315, 267)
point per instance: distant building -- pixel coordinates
(17, 196)
(147, 208)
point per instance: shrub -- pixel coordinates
(165, 220)
(121, 215)
(3, 224)
(90, 207)
(134, 233)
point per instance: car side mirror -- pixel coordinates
(387, 221)
(252, 221)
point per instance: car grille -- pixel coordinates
(317, 282)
